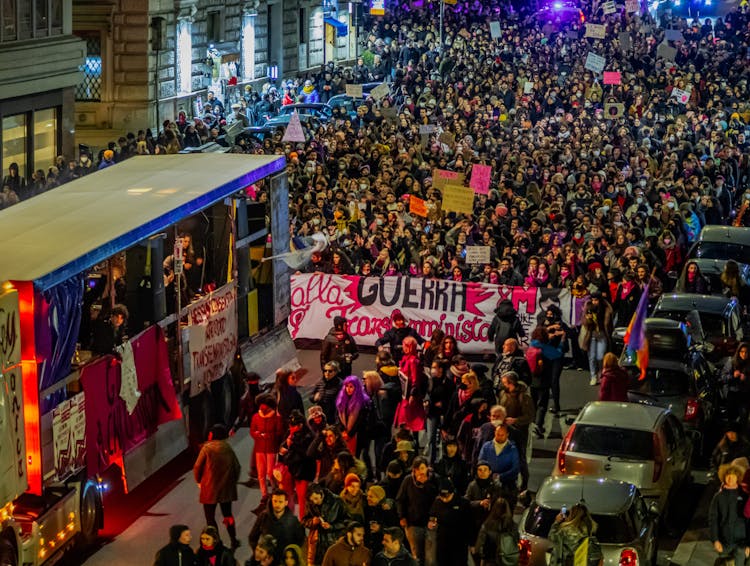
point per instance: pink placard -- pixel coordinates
(481, 176)
(612, 78)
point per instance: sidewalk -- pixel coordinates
(695, 546)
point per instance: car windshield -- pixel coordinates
(722, 250)
(660, 382)
(612, 441)
(712, 323)
(611, 529)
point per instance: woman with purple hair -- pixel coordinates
(352, 408)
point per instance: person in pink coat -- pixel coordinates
(410, 412)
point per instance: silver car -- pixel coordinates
(626, 526)
(639, 444)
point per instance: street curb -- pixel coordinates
(696, 535)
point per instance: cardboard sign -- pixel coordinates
(613, 110)
(380, 91)
(632, 6)
(528, 87)
(624, 38)
(612, 78)
(609, 8)
(294, 131)
(673, 35)
(477, 254)
(596, 31)
(481, 177)
(441, 177)
(666, 52)
(495, 30)
(458, 199)
(682, 96)
(355, 91)
(417, 206)
(427, 129)
(389, 113)
(595, 63)
(447, 138)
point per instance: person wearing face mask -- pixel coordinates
(672, 251)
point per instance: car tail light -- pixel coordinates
(658, 458)
(628, 557)
(563, 449)
(692, 409)
(524, 554)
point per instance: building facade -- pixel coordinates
(40, 62)
(149, 60)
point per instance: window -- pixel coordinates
(24, 19)
(90, 88)
(302, 25)
(248, 47)
(41, 18)
(45, 138)
(9, 20)
(56, 16)
(184, 57)
(214, 26)
(14, 142)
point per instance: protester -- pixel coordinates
(414, 499)
(211, 551)
(339, 346)
(349, 549)
(726, 523)
(326, 391)
(497, 541)
(177, 552)
(569, 531)
(394, 551)
(324, 519)
(266, 429)
(615, 380)
(451, 521)
(278, 521)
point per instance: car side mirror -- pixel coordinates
(653, 508)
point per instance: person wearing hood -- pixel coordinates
(217, 472)
(300, 466)
(293, 556)
(338, 346)
(212, 551)
(278, 521)
(452, 465)
(178, 551)
(504, 325)
(394, 551)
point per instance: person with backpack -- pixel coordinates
(568, 532)
(497, 541)
(541, 356)
(505, 324)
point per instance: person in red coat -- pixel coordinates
(267, 431)
(615, 380)
(410, 411)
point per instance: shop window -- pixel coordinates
(41, 18)
(215, 26)
(14, 142)
(90, 88)
(45, 138)
(9, 29)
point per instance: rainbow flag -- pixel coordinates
(635, 336)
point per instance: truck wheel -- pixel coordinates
(8, 555)
(91, 514)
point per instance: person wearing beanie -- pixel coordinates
(353, 498)
(108, 159)
(177, 552)
(392, 479)
(481, 493)
(217, 471)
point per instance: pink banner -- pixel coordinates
(481, 176)
(612, 78)
(462, 310)
(110, 429)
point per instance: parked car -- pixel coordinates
(346, 102)
(712, 269)
(627, 525)
(636, 443)
(722, 242)
(317, 109)
(720, 318)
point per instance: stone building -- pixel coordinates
(40, 60)
(147, 60)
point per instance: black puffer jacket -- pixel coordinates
(175, 553)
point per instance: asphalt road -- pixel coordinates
(137, 524)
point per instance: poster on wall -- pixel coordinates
(461, 310)
(69, 435)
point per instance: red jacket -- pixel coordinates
(614, 385)
(267, 432)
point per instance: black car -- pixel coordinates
(711, 269)
(722, 242)
(678, 377)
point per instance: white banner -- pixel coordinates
(462, 310)
(69, 435)
(129, 377)
(213, 336)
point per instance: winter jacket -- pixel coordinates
(217, 471)
(330, 511)
(414, 500)
(504, 325)
(507, 463)
(301, 466)
(478, 491)
(394, 337)
(285, 529)
(344, 554)
(565, 540)
(403, 558)
(220, 554)
(456, 469)
(614, 385)
(340, 347)
(175, 553)
(324, 394)
(518, 404)
(267, 432)
(726, 522)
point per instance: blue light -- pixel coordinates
(557, 5)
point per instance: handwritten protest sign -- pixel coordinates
(69, 435)
(595, 63)
(380, 91)
(417, 206)
(624, 38)
(458, 199)
(477, 254)
(495, 30)
(596, 31)
(481, 176)
(427, 129)
(609, 8)
(355, 91)
(682, 96)
(441, 177)
(612, 78)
